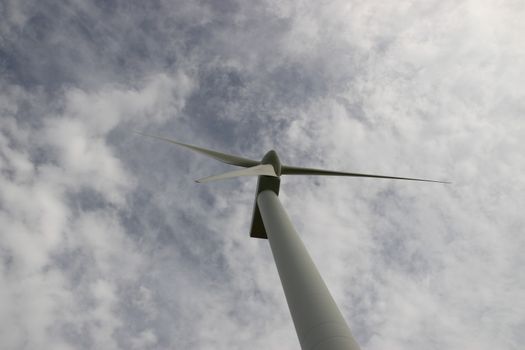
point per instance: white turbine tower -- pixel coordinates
(318, 322)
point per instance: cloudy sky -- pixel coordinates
(107, 243)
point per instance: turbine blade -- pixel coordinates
(292, 170)
(262, 169)
(222, 157)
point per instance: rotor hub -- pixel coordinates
(273, 159)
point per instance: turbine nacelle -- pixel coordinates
(265, 182)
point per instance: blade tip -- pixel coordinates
(144, 134)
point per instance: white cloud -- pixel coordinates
(40, 223)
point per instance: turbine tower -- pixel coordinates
(318, 322)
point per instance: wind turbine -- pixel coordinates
(318, 322)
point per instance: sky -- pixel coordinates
(106, 242)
